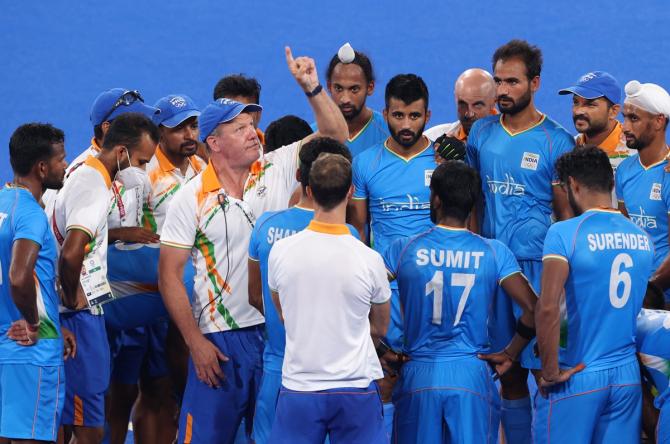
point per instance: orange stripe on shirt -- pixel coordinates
(78, 411)
(189, 429)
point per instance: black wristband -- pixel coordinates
(524, 331)
(315, 91)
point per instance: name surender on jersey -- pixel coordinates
(448, 258)
(618, 241)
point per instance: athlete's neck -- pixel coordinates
(597, 139)
(522, 120)
(356, 124)
(231, 179)
(178, 160)
(336, 215)
(655, 152)
(108, 160)
(452, 222)
(596, 200)
(32, 184)
(305, 201)
(407, 152)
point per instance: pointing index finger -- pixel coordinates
(289, 55)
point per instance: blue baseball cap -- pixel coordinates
(222, 111)
(596, 84)
(116, 101)
(174, 109)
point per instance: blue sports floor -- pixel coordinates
(58, 55)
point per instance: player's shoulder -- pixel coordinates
(483, 126)
(369, 153)
(556, 130)
(270, 216)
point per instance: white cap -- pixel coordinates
(346, 53)
(649, 97)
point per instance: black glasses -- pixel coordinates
(126, 99)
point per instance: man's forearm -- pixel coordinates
(176, 302)
(547, 320)
(69, 271)
(329, 118)
(25, 299)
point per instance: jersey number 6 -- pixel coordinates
(617, 277)
(436, 286)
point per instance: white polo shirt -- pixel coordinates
(219, 240)
(83, 204)
(327, 280)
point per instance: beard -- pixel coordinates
(641, 142)
(573, 202)
(593, 127)
(514, 106)
(352, 113)
(411, 139)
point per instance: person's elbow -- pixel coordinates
(338, 130)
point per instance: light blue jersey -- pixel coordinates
(373, 133)
(397, 191)
(21, 217)
(447, 279)
(653, 345)
(645, 192)
(517, 172)
(610, 261)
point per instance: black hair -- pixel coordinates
(360, 59)
(313, 149)
(31, 143)
(97, 132)
(237, 85)
(127, 130)
(458, 187)
(330, 180)
(284, 131)
(408, 88)
(588, 165)
(529, 54)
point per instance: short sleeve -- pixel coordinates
(85, 207)
(564, 143)
(618, 179)
(254, 240)
(381, 290)
(31, 223)
(285, 159)
(181, 221)
(665, 191)
(274, 263)
(506, 264)
(392, 257)
(472, 148)
(554, 245)
(359, 179)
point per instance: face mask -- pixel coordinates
(131, 177)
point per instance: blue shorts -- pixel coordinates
(140, 352)
(452, 401)
(601, 406)
(346, 415)
(663, 426)
(87, 374)
(31, 401)
(214, 415)
(502, 324)
(266, 403)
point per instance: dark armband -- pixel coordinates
(524, 331)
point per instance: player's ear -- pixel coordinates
(614, 111)
(309, 192)
(427, 115)
(535, 83)
(385, 114)
(371, 88)
(350, 193)
(297, 175)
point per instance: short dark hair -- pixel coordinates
(406, 87)
(237, 85)
(97, 132)
(313, 149)
(360, 59)
(588, 165)
(284, 131)
(127, 130)
(458, 187)
(529, 54)
(31, 143)
(330, 180)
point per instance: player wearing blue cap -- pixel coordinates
(243, 89)
(78, 219)
(447, 278)
(350, 83)
(210, 219)
(32, 385)
(599, 262)
(515, 154)
(271, 227)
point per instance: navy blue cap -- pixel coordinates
(596, 84)
(174, 109)
(104, 108)
(222, 111)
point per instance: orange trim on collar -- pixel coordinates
(261, 136)
(163, 162)
(95, 145)
(95, 163)
(460, 135)
(322, 227)
(210, 181)
(611, 142)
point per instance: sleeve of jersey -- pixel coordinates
(85, 208)
(505, 261)
(273, 270)
(471, 150)
(562, 144)
(181, 222)
(31, 225)
(381, 290)
(254, 239)
(359, 179)
(665, 192)
(618, 179)
(286, 159)
(554, 245)
(391, 257)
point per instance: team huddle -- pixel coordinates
(360, 279)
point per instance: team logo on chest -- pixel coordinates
(529, 161)
(427, 174)
(655, 193)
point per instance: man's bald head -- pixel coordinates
(475, 94)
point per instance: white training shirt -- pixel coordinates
(327, 280)
(446, 128)
(219, 240)
(83, 204)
